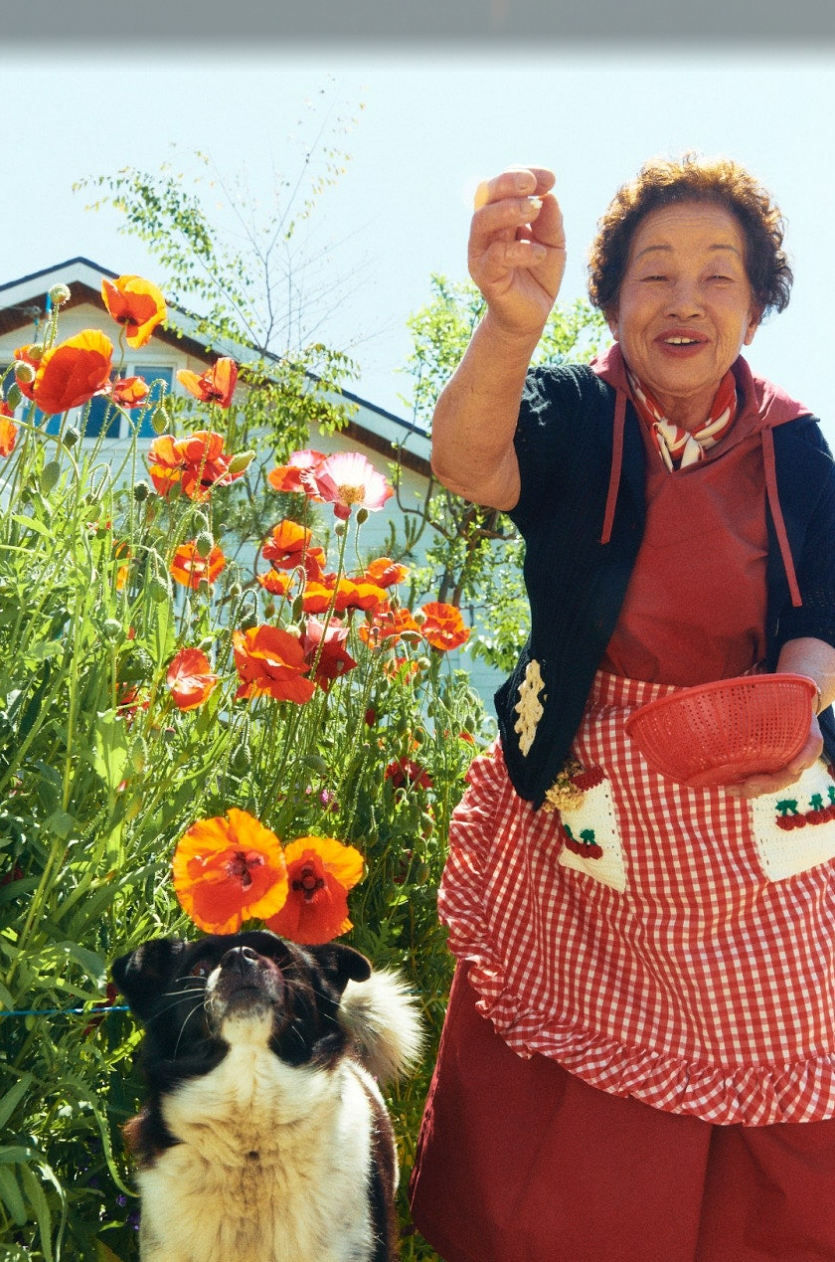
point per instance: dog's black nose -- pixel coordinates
(241, 959)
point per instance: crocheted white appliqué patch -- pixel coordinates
(592, 843)
(529, 707)
(795, 828)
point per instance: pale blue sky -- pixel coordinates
(432, 124)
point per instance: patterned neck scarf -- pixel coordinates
(679, 447)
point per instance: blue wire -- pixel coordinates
(52, 1012)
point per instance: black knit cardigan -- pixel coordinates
(576, 584)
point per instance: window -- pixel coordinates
(159, 382)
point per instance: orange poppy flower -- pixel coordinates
(190, 569)
(320, 872)
(385, 572)
(8, 431)
(402, 670)
(286, 477)
(198, 463)
(289, 546)
(190, 679)
(271, 661)
(229, 869)
(72, 372)
(215, 385)
(343, 593)
(388, 624)
(275, 583)
(443, 626)
(129, 392)
(136, 304)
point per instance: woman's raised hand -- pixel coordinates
(516, 251)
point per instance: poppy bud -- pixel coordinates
(297, 608)
(71, 436)
(50, 474)
(339, 529)
(241, 759)
(159, 588)
(204, 543)
(316, 763)
(14, 396)
(24, 373)
(58, 295)
(112, 629)
(34, 353)
(201, 522)
(206, 643)
(141, 491)
(139, 756)
(248, 622)
(159, 420)
(241, 461)
(235, 591)
(362, 516)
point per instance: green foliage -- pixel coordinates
(101, 773)
(473, 557)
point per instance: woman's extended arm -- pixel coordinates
(517, 258)
(804, 656)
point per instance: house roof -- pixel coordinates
(23, 302)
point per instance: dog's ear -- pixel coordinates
(142, 975)
(341, 964)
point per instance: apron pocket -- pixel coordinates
(794, 830)
(589, 832)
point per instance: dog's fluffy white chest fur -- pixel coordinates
(272, 1164)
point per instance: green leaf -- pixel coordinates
(11, 1194)
(32, 523)
(111, 749)
(10, 1101)
(37, 1199)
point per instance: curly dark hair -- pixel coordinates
(665, 181)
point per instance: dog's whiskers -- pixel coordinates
(197, 1007)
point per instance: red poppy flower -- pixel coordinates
(229, 869)
(443, 626)
(215, 385)
(404, 771)
(190, 679)
(275, 583)
(334, 659)
(190, 569)
(286, 477)
(320, 872)
(129, 392)
(72, 372)
(388, 624)
(136, 304)
(289, 546)
(385, 572)
(271, 661)
(8, 431)
(347, 480)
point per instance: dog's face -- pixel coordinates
(195, 998)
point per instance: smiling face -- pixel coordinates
(685, 307)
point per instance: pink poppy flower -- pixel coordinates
(346, 480)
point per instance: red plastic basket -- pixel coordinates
(721, 732)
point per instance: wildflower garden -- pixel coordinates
(216, 710)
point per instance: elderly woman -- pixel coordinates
(638, 1060)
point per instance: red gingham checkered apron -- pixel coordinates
(673, 945)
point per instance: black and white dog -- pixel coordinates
(264, 1137)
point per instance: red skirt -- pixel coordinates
(521, 1161)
